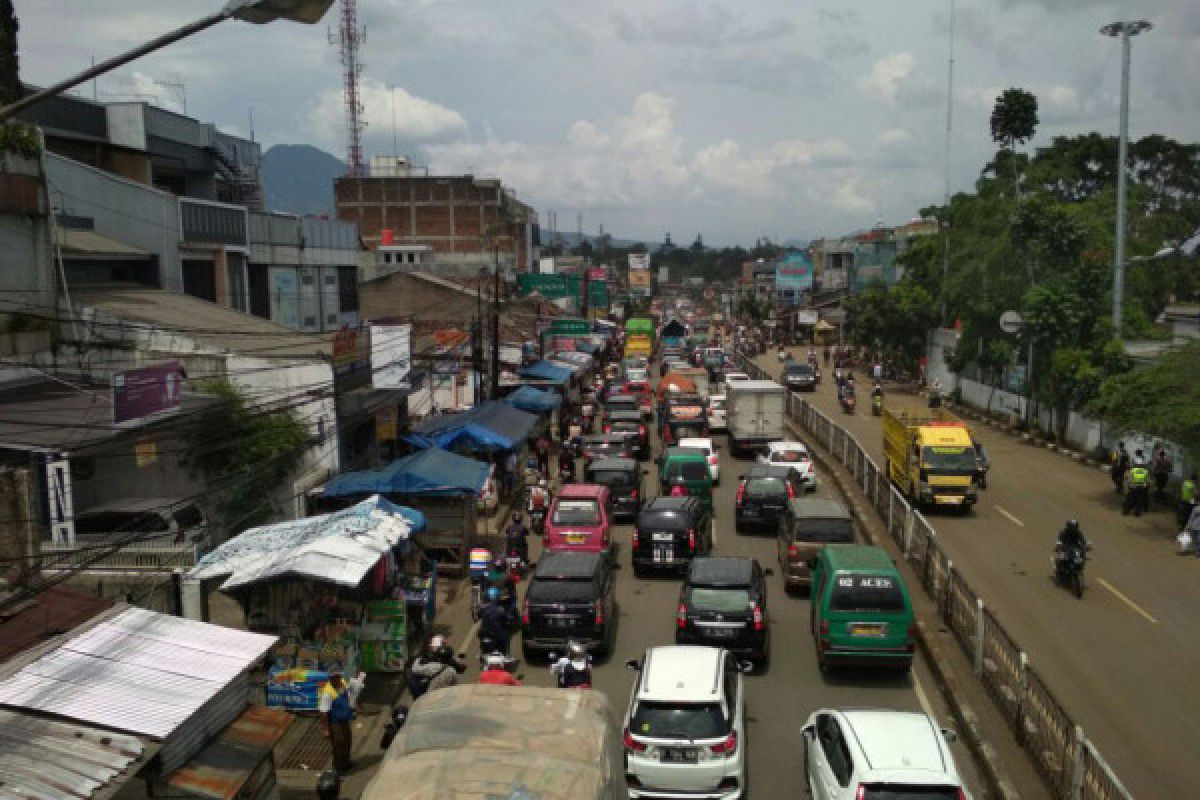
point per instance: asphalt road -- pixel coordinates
(779, 701)
(1125, 659)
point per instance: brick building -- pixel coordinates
(459, 218)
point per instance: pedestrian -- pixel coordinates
(1120, 466)
(1161, 470)
(336, 706)
(1187, 499)
(1193, 528)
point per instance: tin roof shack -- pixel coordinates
(140, 694)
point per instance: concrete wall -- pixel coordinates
(406, 295)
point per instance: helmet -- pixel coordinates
(542, 483)
(437, 642)
(576, 651)
(516, 517)
(1072, 525)
(493, 593)
(500, 563)
(494, 661)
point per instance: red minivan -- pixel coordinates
(579, 521)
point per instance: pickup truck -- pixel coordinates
(754, 415)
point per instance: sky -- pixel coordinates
(734, 119)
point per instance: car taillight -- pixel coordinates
(681, 617)
(525, 611)
(634, 494)
(861, 793)
(631, 745)
(793, 551)
(791, 492)
(741, 495)
(824, 627)
(758, 618)
(635, 539)
(641, 430)
(712, 460)
(727, 747)
(599, 612)
(692, 541)
(608, 428)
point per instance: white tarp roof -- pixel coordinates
(340, 548)
(139, 671)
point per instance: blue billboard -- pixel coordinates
(794, 273)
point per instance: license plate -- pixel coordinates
(561, 622)
(750, 512)
(576, 538)
(867, 629)
(950, 499)
(663, 537)
(720, 633)
(663, 555)
(678, 755)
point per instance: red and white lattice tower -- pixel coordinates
(349, 38)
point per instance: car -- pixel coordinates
(872, 754)
(809, 524)
(607, 445)
(794, 455)
(688, 468)
(669, 532)
(716, 412)
(640, 374)
(762, 497)
(569, 598)
(645, 395)
(623, 477)
(579, 520)
(619, 401)
(799, 377)
(723, 603)
(685, 730)
(710, 450)
(631, 424)
(860, 612)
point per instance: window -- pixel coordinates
(679, 720)
(721, 601)
(387, 258)
(830, 737)
(576, 512)
(866, 593)
(689, 470)
(347, 289)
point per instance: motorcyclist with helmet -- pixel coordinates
(516, 537)
(435, 668)
(539, 505)
(495, 671)
(496, 623)
(574, 670)
(1071, 536)
(502, 579)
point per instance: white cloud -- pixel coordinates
(416, 119)
(1063, 99)
(888, 74)
(848, 198)
(894, 137)
(142, 87)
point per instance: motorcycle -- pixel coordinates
(537, 521)
(848, 403)
(579, 679)
(782, 354)
(479, 561)
(935, 398)
(1068, 567)
(566, 470)
(489, 646)
(876, 404)
(981, 471)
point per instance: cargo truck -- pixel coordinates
(639, 337)
(754, 415)
(930, 456)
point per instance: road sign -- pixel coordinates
(1010, 322)
(570, 326)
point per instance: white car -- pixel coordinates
(794, 455)
(637, 375)
(872, 754)
(710, 453)
(685, 731)
(716, 412)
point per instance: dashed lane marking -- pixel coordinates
(1011, 518)
(1127, 601)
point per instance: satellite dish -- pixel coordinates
(1010, 322)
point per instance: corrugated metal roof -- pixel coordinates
(139, 671)
(229, 762)
(44, 759)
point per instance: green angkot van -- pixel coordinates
(861, 610)
(686, 467)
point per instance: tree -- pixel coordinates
(10, 82)
(1159, 400)
(1014, 118)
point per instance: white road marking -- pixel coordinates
(471, 634)
(1011, 518)
(1128, 602)
(922, 698)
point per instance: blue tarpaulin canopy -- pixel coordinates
(535, 401)
(545, 371)
(428, 472)
(491, 426)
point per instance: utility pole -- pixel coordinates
(495, 392)
(477, 339)
(1124, 30)
(946, 167)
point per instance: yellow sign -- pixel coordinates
(385, 424)
(145, 452)
(639, 279)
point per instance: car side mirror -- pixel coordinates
(768, 571)
(949, 735)
(807, 732)
(745, 666)
(633, 664)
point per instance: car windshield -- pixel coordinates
(895, 792)
(765, 487)
(688, 470)
(727, 601)
(800, 369)
(612, 478)
(948, 459)
(576, 512)
(561, 590)
(678, 720)
(866, 593)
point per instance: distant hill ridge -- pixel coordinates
(298, 179)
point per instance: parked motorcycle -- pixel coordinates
(783, 354)
(1068, 567)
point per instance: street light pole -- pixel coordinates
(256, 11)
(1124, 30)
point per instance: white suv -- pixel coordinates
(685, 732)
(794, 455)
(873, 754)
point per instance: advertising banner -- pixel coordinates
(639, 280)
(146, 391)
(639, 261)
(794, 272)
(391, 356)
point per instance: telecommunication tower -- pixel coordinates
(350, 36)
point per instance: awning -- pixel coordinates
(339, 548)
(428, 472)
(491, 426)
(535, 401)
(91, 245)
(546, 371)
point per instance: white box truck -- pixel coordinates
(754, 415)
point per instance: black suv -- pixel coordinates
(620, 401)
(723, 603)
(606, 445)
(669, 533)
(762, 497)
(623, 477)
(570, 597)
(631, 424)
(800, 377)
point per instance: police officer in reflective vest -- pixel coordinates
(1137, 498)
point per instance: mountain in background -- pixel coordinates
(298, 178)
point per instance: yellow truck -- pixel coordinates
(639, 344)
(930, 456)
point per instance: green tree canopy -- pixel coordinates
(1014, 118)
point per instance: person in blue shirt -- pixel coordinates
(336, 704)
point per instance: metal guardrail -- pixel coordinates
(1071, 765)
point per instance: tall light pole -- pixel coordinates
(1124, 30)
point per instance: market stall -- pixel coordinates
(344, 590)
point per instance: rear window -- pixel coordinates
(765, 487)
(790, 456)
(892, 792)
(866, 593)
(576, 512)
(725, 601)
(552, 590)
(662, 521)
(826, 531)
(688, 470)
(613, 479)
(679, 720)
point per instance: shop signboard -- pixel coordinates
(598, 274)
(146, 392)
(639, 261)
(794, 273)
(391, 356)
